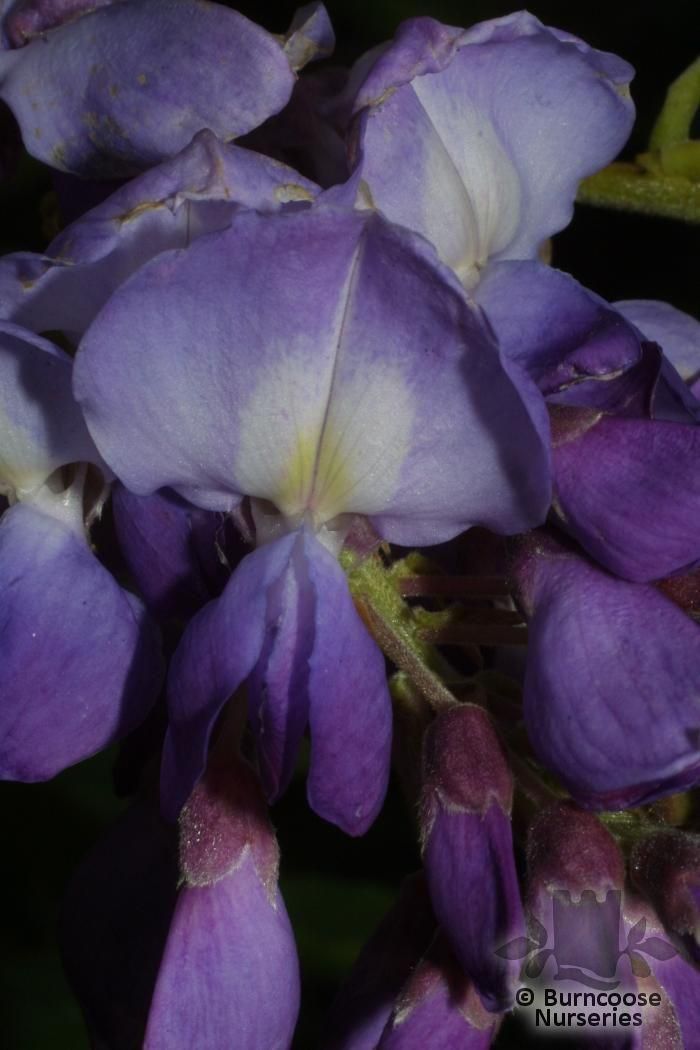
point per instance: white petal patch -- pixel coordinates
(470, 146)
(340, 456)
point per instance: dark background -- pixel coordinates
(335, 888)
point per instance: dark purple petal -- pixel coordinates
(218, 651)
(80, 660)
(468, 848)
(123, 87)
(439, 1008)
(171, 550)
(611, 688)
(114, 925)
(242, 391)
(365, 1001)
(484, 155)
(629, 491)
(349, 704)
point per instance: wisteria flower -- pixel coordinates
(323, 364)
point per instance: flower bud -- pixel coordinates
(468, 847)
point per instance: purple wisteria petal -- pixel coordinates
(41, 425)
(370, 392)
(218, 651)
(278, 689)
(629, 491)
(478, 139)
(229, 967)
(174, 551)
(230, 963)
(611, 688)
(123, 86)
(562, 334)
(677, 333)
(114, 924)
(349, 704)
(170, 206)
(80, 661)
(439, 1008)
(366, 999)
(286, 619)
(468, 848)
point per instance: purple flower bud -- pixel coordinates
(365, 1001)
(229, 965)
(439, 1008)
(665, 867)
(468, 847)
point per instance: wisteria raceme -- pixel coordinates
(304, 359)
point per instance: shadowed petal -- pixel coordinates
(172, 550)
(366, 998)
(115, 921)
(439, 1008)
(80, 661)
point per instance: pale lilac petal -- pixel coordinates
(41, 425)
(349, 704)
(123, 87)
(379, 374)
(478, 139)
(629, 491)
(365, 1001)
(607, 660)
(170, 206)
(677, 333)
(218, 651)
(80, 661)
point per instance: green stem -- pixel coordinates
(627, 187)
(394, 626)
(681, 104)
